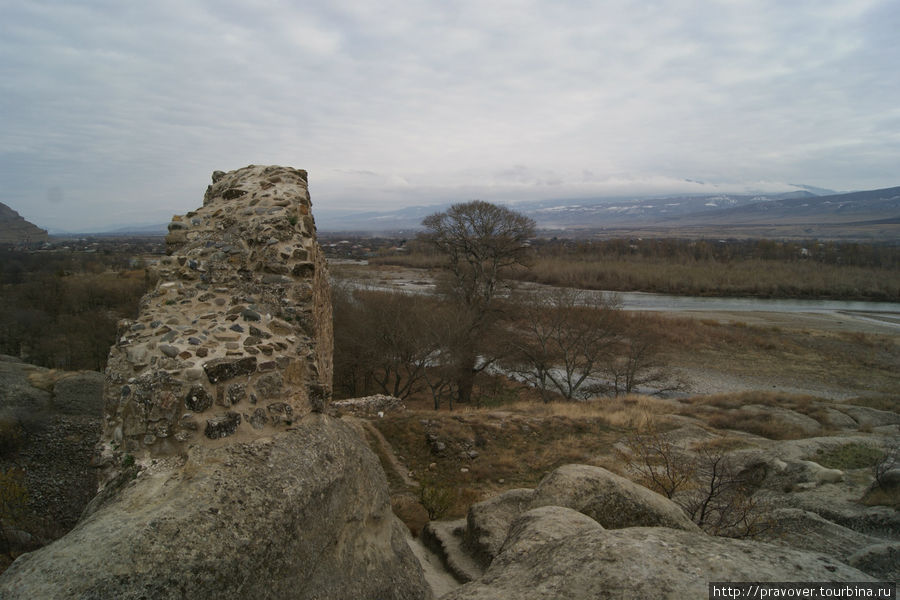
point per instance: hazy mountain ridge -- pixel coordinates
(797, 207)
(851, 208)
(800, 207)
(600, 213)
(14, 229)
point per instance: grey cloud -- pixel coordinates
(127, 107)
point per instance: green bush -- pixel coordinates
(436, 497)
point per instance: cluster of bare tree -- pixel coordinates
(392, 343)
(575, 344)
(566, 343)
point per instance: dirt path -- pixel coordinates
(385, 452)
(440, 580)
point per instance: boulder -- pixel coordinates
(837, 507)
(539, 526)
(871, 417)
(790, 418)
(613, 501)
(639, 562)
(881, 561)
(304, 513)
(840, 420)
(804, 530)
(487, 523)
(798, 475)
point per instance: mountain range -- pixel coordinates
(809, 212)
(799, 208)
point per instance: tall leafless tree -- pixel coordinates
(479, 240)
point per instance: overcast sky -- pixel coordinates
(118, 111)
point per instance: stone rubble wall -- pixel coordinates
(236, 337)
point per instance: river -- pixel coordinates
(883, 316)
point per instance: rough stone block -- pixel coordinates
(223, 426)
(221, 369)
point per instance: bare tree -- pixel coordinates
(637, 359)
(724, 501)
(383, 342)
(657, 462)
(479, 240)
(565, 338)
(717, 493)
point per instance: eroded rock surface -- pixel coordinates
(303, 513)
(609, 499)
(487, 522)
(235, 339)
(586, 561)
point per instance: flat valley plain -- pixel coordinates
(833, 355)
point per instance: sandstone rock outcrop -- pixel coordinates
(539, 560)
(487, 522)
(881, 561)
(609, 499)
(587, 533)
(16, 230)
(303, 513)
(801, 529)
(235, 340)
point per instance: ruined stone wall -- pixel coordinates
(235, 340)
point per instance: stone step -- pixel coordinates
(445, 538)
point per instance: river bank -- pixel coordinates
(830, 349)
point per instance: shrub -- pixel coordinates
(436, 497)
(713, 489)
(653, 459)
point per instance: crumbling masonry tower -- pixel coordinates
(235, 340)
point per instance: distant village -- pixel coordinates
(360, 248)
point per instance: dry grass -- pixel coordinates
(769, 278)
(891, 403)
(624, 412)
(761, 424)
(882, 497)
(478, 452)
(798, 402)
(852, 455)
(754, 277)
(414, 260)
(474, 453)
(844, 360)
(722, 411)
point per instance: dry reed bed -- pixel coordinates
(704, 277)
